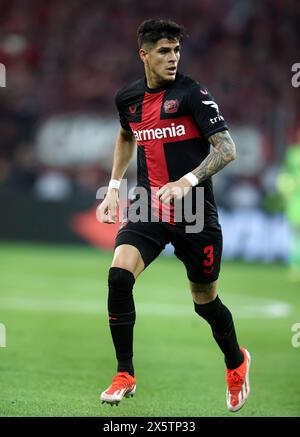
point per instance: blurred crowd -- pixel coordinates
(70, 56)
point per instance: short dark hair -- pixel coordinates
(150, 31)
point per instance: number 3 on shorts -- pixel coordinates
(208, 262)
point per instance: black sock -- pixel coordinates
(122, 316)
(220, 319)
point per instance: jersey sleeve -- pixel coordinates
(205, 111)
(123, 120)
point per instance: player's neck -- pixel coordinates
(154, 81)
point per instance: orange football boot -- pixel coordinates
(123, 385)
(238, 387)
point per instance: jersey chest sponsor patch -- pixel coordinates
(168, 130)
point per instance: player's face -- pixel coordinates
(161, 61)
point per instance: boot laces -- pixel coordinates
(120, 380)
(235, 380)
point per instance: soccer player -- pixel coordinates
(182, 140)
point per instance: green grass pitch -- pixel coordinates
(59, 356)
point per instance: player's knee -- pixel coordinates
(120, 282)
(207, 310)
(215, 313)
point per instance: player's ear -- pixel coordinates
(143, 53)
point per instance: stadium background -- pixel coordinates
(64, 63)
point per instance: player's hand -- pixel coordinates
(107, 210)
(173, 191)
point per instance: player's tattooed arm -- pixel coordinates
(222, 152)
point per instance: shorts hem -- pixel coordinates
(202, 280)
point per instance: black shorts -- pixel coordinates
(200, 252)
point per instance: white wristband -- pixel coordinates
(114, 183)
(192, 179)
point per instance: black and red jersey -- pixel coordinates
(171, 125)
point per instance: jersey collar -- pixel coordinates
(158, 90)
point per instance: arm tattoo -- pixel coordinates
(222, 153)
